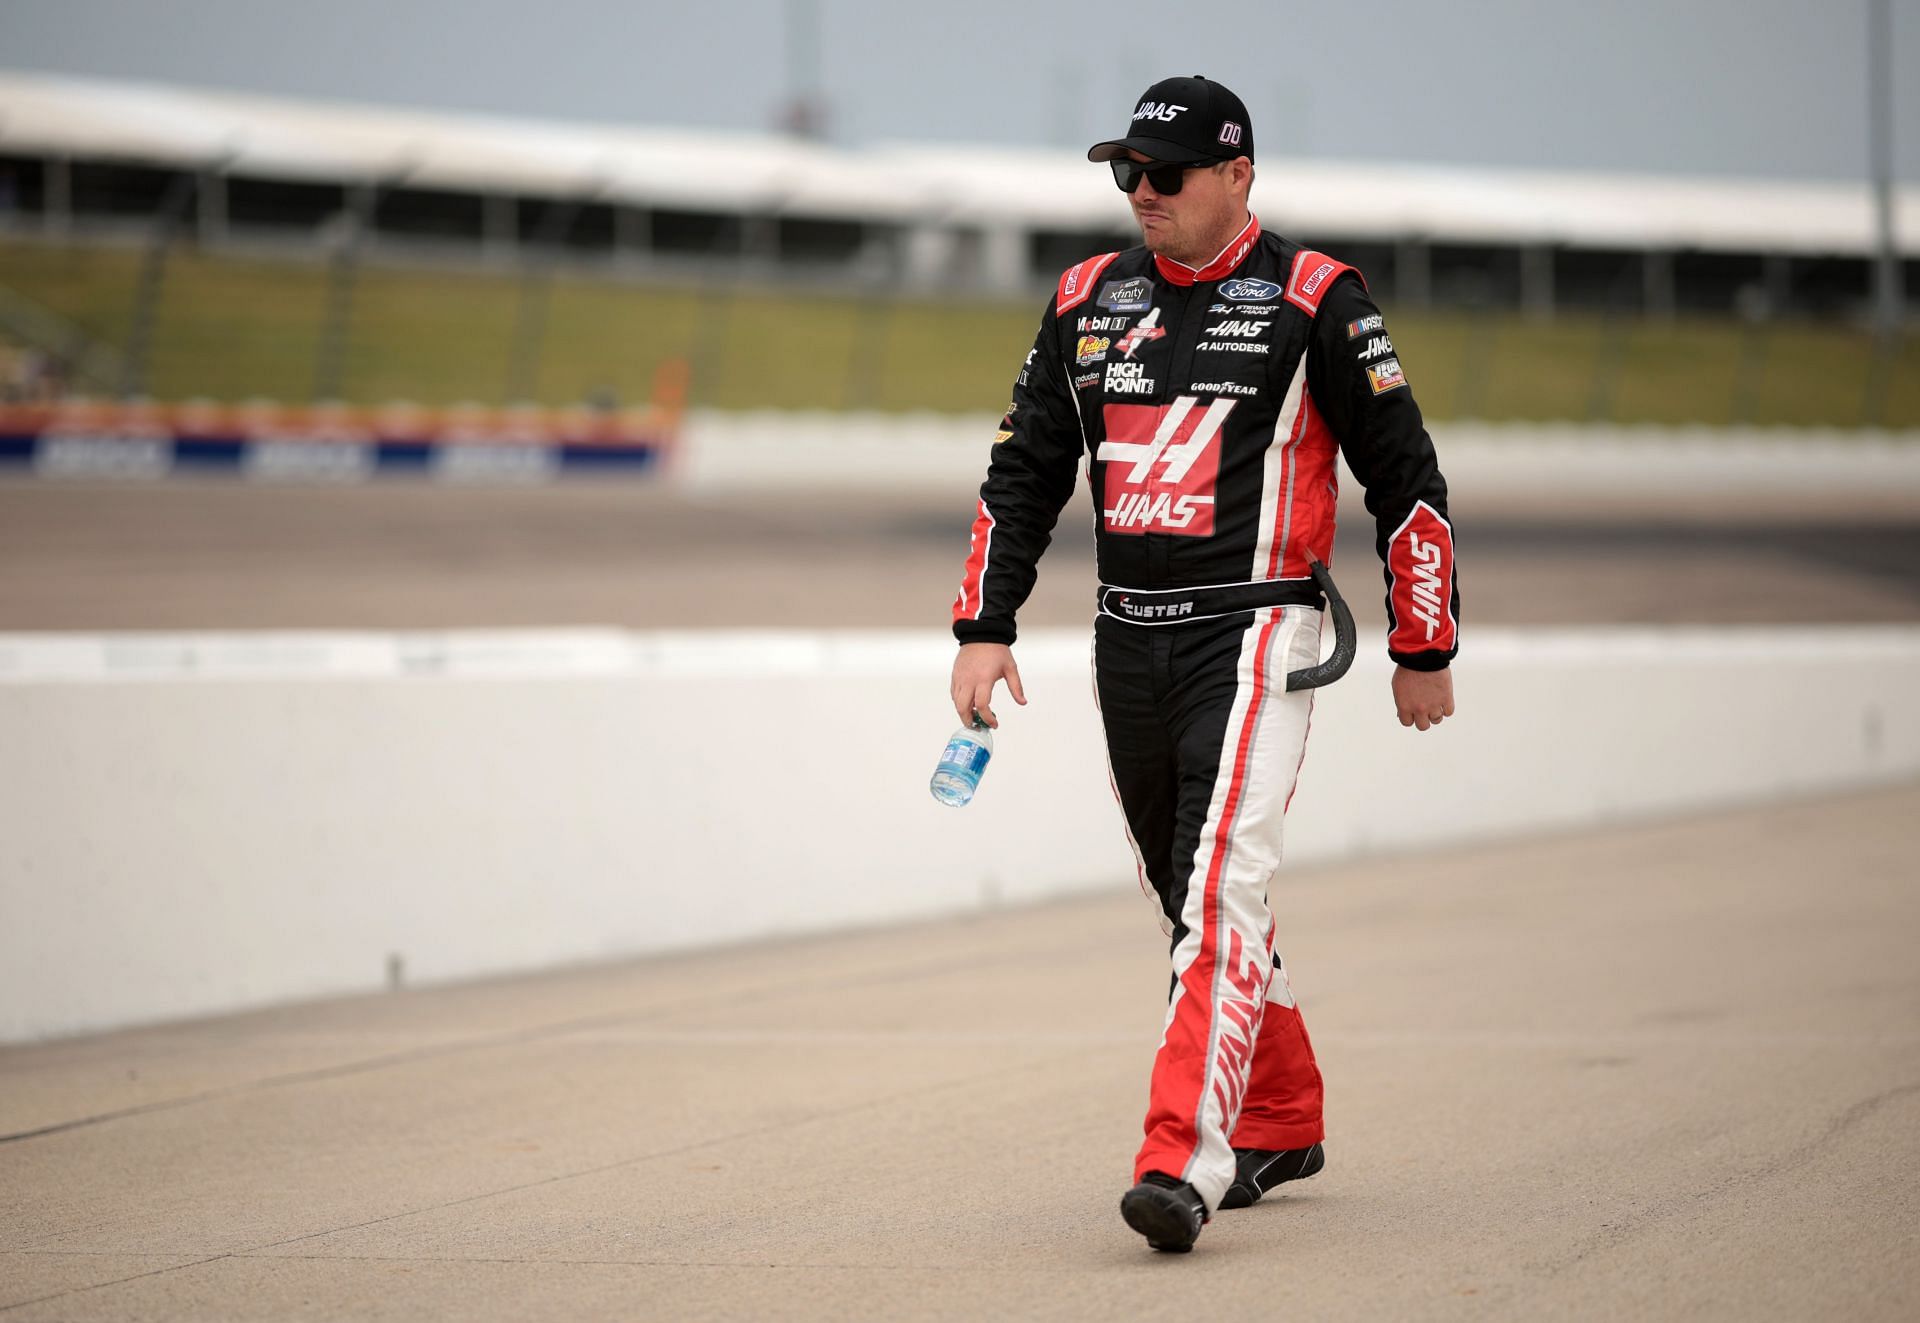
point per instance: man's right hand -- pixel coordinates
(977, 668)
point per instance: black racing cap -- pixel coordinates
(1183, 121)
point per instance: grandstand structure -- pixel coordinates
(100, 160)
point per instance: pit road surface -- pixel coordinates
(1670, 1072)
(191, 555)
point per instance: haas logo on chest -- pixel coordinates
(1162, 463)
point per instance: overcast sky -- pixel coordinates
(1746, 87)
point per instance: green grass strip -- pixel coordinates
(232, 328)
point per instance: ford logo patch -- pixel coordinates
(1250, 291)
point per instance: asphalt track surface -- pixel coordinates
(1670, 1072)
(190, 555)
(1666, 1072)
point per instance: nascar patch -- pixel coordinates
(1383, 377)
(1365, 326)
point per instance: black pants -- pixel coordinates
(1205, 744)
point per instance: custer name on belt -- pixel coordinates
(1158, 610)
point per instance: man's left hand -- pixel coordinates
(1422, 697)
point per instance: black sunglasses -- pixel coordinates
(1166, 179)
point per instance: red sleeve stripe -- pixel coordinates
(1312, 273)
(1420, 561)
(967, 605)
(1076, 286)
(1283, 508)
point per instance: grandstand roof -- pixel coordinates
(281, 137)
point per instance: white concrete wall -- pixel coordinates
(947, 454)
(200, 824)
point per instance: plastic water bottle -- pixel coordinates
(961, 764)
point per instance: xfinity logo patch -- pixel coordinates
(1134, 295)
(1250, 291)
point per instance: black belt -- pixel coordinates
(1179, 606)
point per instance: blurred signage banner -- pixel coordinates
(330, 443)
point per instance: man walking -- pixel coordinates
(1208, 377)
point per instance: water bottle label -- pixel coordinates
(966, 758)
(958, 775)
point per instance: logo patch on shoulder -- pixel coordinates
(1383, 377)
(1365, 326)
(1312, 282)
(1135, 295)
(1245, 290)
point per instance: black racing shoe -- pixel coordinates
(1167, 1212)
(1258, 1170)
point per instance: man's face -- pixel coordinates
(1178, 225)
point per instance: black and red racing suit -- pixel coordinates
(1211, 404)
(1208, 405)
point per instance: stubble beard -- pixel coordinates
(1194, 239)
(1169, 243)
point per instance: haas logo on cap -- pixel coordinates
(1164, 111)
